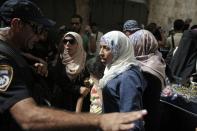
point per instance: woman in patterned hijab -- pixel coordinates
(146, 51)
(153, 67)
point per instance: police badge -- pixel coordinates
(6, 74)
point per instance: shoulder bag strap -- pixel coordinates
(172, 37)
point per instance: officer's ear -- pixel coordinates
(16, 24)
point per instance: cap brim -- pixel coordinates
(133, 29)
(45, 21)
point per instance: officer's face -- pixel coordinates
(22, 33)
(32, 34)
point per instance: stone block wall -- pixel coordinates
(164, 12)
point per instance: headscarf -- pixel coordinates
(122, 52)
(131, 25)
(146, 51)
(76, 63)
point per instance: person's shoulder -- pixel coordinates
(135, 71)
(178, 34)
(134, 68)
(132, 71)
(6, 60)
(3, 57)
(100, 33)
(6, 72)
(84, 36)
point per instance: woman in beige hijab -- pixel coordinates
(71, 73)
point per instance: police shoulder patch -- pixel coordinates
(6, 74)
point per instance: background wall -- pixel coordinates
(57, 10)
(108, 14)
(111, 14)
(164, 12)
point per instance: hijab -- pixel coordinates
(76, 63)
(146, 51)
(122, 52)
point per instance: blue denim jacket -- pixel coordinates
(124, 93)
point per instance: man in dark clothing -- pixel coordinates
(183, 63)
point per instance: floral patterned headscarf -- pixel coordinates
(146, 51)
(122, 52)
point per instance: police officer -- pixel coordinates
(18, 107)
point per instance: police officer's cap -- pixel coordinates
(23, 9)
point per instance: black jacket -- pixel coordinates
(183, 62)
(66, 92)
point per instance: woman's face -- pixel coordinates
(105, 54)
(70, 44)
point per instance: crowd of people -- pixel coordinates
(78, 78)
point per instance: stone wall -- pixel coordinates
(164, 12)
(83, 9)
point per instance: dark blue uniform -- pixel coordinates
(13, 87)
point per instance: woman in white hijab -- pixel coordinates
(71, 73)
(122, 84)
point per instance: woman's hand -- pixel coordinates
(41, 68)
(84, 91)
